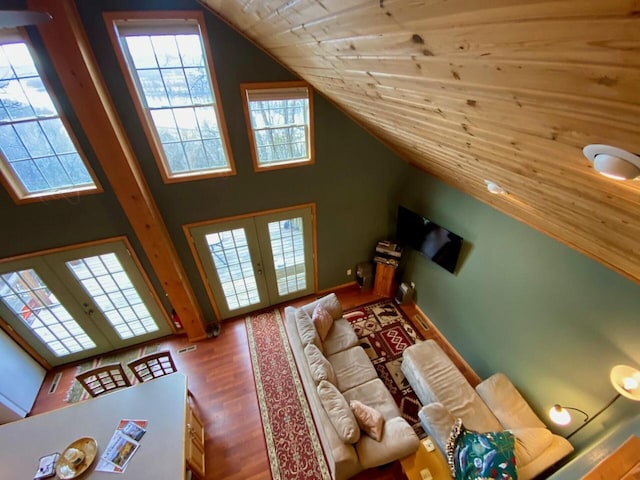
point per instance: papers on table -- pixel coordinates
(123, 445)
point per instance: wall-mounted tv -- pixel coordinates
(428, 238)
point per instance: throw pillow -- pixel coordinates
(306, 330)
(321, 368)
(339, 412)
(370, 420)
(322, 320)
(478, 456)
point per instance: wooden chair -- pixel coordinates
(153, 366)
(103, 379)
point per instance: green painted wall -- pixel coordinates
(524, 304)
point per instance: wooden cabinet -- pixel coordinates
(384, 282)
(194, 448)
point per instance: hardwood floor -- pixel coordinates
(221, 380)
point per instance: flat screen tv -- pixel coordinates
(428, 238)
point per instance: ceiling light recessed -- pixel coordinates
(613, 162)
(495, 188)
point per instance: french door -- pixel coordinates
(80, 302)
(254, 262)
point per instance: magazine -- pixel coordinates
(123, 444)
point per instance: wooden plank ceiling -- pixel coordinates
(468, 90)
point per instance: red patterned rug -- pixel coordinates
(384, 332)
(292, 440)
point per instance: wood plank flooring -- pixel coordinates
(221, 380)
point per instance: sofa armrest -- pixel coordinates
(437, 421)
(507, 404)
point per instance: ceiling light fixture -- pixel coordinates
(613, 162)
(495, 188)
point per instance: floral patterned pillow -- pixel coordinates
(479, 456)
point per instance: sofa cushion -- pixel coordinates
(376, 395)
(531, 443)
(320, 367)
(507, 404)
(322, 320)
(352, 368)
(398, 441)
(435, 378)
(330, 303)
(306, 330)
(340, 337)
(339, 412)
(370, 420)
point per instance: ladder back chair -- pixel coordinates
(103, 379)
(152, 366)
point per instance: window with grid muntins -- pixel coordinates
(280, 124)
(108, 284)
(230, 253)
(38, 154)
(168, 65)
(287, 249)
(29, 298)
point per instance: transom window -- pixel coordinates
(280, 123)
(167, 63)
(37, 152)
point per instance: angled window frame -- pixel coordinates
(278, 91)
(175, 22)
(17, 190)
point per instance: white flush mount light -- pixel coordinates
(495, 188)
(613, 162)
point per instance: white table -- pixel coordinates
(161, 455)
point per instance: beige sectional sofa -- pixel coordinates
(494, 405)
(351, 377)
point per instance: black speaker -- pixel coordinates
(404, 294)
(364, 276)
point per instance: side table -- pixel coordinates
(385, 275)
(413, 464)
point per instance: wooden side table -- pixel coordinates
(421, 459)
(385, 274)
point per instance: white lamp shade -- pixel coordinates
(559, 415)
(626, 381)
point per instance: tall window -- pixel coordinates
(171, 76)
(280, 123)
(38, 156)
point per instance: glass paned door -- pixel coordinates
(231, 260)
(80, 302)
(31, 301)
(255, 262)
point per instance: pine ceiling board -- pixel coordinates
(471, 89)
(613, 40)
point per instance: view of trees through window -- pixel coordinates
(35, 144)
(280, 129)
(175, 87)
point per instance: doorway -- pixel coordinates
(79, 302)
(258, 260)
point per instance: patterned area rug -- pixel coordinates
(77, 392)
(292, 440)
(384, 332)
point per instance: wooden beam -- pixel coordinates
(73, 59)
